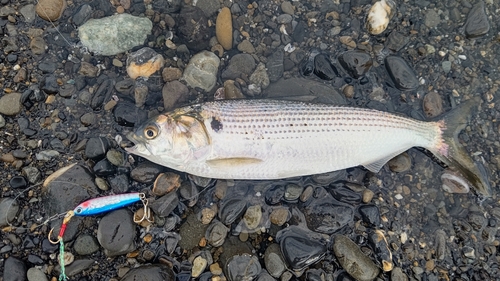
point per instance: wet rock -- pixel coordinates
(477, 23)
(192, 231)
(216, 233)
(232, 209)
(381, 248)
(150, 273)
(78, 266)
(199, 265)
(353, 260)
(14, 269)
(32, 174)
(275, 67)
(325, 214)
(193, 29)
(401, 73)
(400, 163)
(292, 192)
(175, 91)
(344, 194)
(396, 41)
(302, 89)
(115, 157)
(379, 16)
(370, 215)
(259, 77)
(432, 105)
(82, 14)
(119, 183)
(38, 45)
(253, 216)
(165, 183)
(68, 187)
(170, 74)
(279, 216)
(440, 242)
(275, 264)
(127, 114)
(454, 182)
(35, 274)
(116, 233)
(231, 91)
(10, 104)
(299, 32)
(50, 10)
(50, 85)
(323, 68)
(96, 148)
(104, 168)
(240, 64)
(202, 70)
(242, 267)
(164, 205)
(224, 28)
(18, 182)
(355, 63)
(299, 247)
(115, 34)
(8, 211)
(146, 172)
(144, 63)
(85, 245)
(102, 94)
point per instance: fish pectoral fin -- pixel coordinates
(232, 162)
(375, 167)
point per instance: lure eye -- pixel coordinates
(78, 210)
(150, 132)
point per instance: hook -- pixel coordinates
(65, 222)
(147, 210)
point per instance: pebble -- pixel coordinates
(8, 211)
(231, 91)
(28, 12)
(35, 274)
(432, 104)
(275, 66)
(82, 14)
(324, 69)
(143, 63)
(279, 216)
(287, 8)
(275, 264)
(154, 272)
(379, 16)
(224, 28)
(216, 233)
(370, 215)
(209, 7)
(378, 243)
(10, 104)
(88, 119)
(240, 64)
(401, 73)
(32, 174)
(259, 77)
(171, 73)
(193, 29)
(2, 121)
(300, 247)
(96, 148)
(400, 163)
(129, 31)
(397, 274)
(67, 90)
(242, 267)
(232, 209)
(175, 91)
(146, 172)
(102, 94)
(116, 233)
(14, 269)
(50, 10)
(246, 47)
(199, 265)
(253, 216)
(165, 183)
(18, 182)
(353, 260)
(431, 18)
(78, 266)
(477, 23)
(164, 205)
(38, 45)
(446, 65)
(201, 71)
(127, 114)
(355, 63)
(46, 155)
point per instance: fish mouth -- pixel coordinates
(138, 146)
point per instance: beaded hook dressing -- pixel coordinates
(97, 206)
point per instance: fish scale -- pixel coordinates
(273, 139)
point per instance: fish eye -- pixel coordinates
(78, 210)
(150, 132)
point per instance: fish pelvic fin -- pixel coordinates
(449, 150)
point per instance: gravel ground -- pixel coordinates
(68, 104)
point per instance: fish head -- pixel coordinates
(170, 140)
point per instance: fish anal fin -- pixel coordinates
(375, 166)
(233, 162)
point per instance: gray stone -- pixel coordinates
(202, 71)
(353, 260)
(275, 66)
(209, 7)
(115, 34)
(477, 23)
(150, 273)
(10, 104)
(304, 90)
(14, 269)
(2, 121)
(116, 233)
(238, 65)
(287, 7)
(85, 245)
(32, 174)
(431, 19)
(35, 274)
(28, 13)
(8, 211)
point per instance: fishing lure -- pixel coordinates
(97, 206)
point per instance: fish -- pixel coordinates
(261, 139)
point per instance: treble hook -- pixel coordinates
(65, 222)
(147, 210)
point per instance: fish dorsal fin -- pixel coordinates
(233, 162)
(375, 167)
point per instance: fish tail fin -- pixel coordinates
(452, 153)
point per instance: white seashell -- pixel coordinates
(379, 16)
(453, 182)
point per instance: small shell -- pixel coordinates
(379, 16)
(453, 182)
